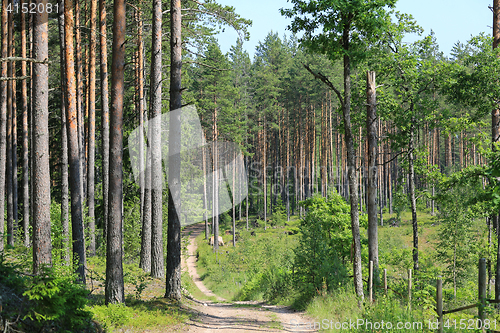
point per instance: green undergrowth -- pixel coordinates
(155, 315)
(256, 269)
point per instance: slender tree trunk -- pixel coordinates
(264, 171)
(42, 245)
(64, 143)
(215, 184)
(140, 113)
(3, 121)
(79, 99)
(73, 149)
(495, 136)
(105, 114)
(234, 198)
(411, 189)
(157, 259)
(371, 130)
(25, 151)
(91, 130)
(14, 139)
(205, 205)
(174, 171)
(351, 170)
(145, 260)
(114, 290)
(10, 116)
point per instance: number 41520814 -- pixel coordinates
(33, 8)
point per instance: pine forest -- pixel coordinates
(343, 177)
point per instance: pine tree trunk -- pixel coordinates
(42, 245)
(73, 148)
(25, 149)
(114, 289)
(91, 131)
(10, 116)
(174, 171)
(3, 120)
(215, 185)
(79, 99)
(105, 114)
(495, 136)
(64, 144)
(264, 171)
(372, 134)
(139, 106)
(157, 260)
(145, 185)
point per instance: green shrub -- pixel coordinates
(324, 244)
(54, 296)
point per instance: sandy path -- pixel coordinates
(241, 317)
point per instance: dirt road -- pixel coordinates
(241, 317)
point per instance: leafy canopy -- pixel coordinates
(339, 27)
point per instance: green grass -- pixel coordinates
(227, 272)
(154, 315)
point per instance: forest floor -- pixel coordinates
(225, 316)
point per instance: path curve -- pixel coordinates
(241, 317)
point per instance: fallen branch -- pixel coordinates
(46, 61)
(15, 78)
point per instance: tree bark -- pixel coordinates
(411, 189)
(64, 144)
(174, 180)
(105, 113)
(157, 259)
(351, 170)
(73, 148)
(91, 131)
(372, 134)
(10, 116)
(3, 121)
(79, 100)
(114, 290)
(25, 149)
(42, 245)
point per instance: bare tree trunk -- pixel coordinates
(145, 260)
(10, 116)
(174, 170)
(215, 185)
(234, 198)
(372, 133)
(79, 100)
(264, 171)
(14, 140)
(157, 259)
(411, 189)
(73, 149)
(91, 130)
(145, 185)
(25, 151)
(64, 143)
(105, 114)
(495, 136)
(114, 290)
(139, 106)
(3, 121)
(351, 171)
(42, 245)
